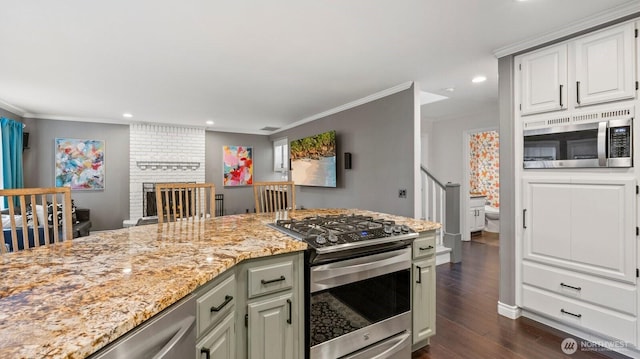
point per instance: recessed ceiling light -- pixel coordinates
(479, 79)
(209, 122)
(127, 115)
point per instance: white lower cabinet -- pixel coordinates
(221, 342)
(271, 328)
(423, 290)
(579, 253)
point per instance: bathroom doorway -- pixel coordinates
(481, 184)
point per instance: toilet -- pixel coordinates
(491, 219)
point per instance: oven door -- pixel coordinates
(358, 302)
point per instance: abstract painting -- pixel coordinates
(79, 164)
(238, 165)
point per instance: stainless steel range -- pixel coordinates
(358, 281)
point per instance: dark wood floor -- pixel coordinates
(467, 322)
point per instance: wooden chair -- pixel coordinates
(40, 232)
(182, 201)
(274, 196)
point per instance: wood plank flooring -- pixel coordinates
(467, 322)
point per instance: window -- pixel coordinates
(281, 155)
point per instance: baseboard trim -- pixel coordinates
(509, 311)
(443, 255)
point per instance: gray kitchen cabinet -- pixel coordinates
(220, 343)
(271, 328)
(270, 318)
(423, 289)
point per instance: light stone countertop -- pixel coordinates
(71, 299)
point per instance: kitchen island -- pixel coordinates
(70, 300)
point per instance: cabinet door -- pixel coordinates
(271, 328)
(424, 299)
(583, 224)
(605, 66)
(220, 343)
(543, 80)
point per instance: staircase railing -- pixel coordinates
(441, 203)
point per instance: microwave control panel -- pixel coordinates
(620, 142)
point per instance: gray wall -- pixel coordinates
(109, 207)
(238, 199)
(380, 137)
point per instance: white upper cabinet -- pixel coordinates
(604, 65)
(595, 68)
(543, 83)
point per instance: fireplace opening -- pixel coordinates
(149, 208)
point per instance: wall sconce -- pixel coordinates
(347, 160)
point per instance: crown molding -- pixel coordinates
(615, 13)
(11, 108)
(352, 104)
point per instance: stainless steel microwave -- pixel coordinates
(598, 144)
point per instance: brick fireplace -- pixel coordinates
(159, 153)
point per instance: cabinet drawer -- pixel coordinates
(215, 304)
(590, 289)
(576, 313)
(424, 246)
(270, 278)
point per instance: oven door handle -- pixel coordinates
(385, 350)
(356, 269)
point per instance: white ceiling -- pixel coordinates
(249, 64)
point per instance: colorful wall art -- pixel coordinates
(79, 164)
(238, 165)
(313, 160)
(484, 148)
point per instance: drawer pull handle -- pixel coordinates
(227, 299)
(425, 249)
(206, 352)
(264, 282)
(419, 274)
(289, 304)
(570, 286)
(575, 315)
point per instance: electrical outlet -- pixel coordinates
(402, 193)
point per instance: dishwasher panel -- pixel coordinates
(169, 335)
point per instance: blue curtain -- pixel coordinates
(11, 153)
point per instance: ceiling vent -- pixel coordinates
(269, 128)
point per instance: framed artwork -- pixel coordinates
(79, 164)
(238, 165)
(313, 160)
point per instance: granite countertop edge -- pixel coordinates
(72, 299)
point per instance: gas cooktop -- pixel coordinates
(341, 232)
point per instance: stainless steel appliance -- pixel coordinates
(359, 286)
(598, 144)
